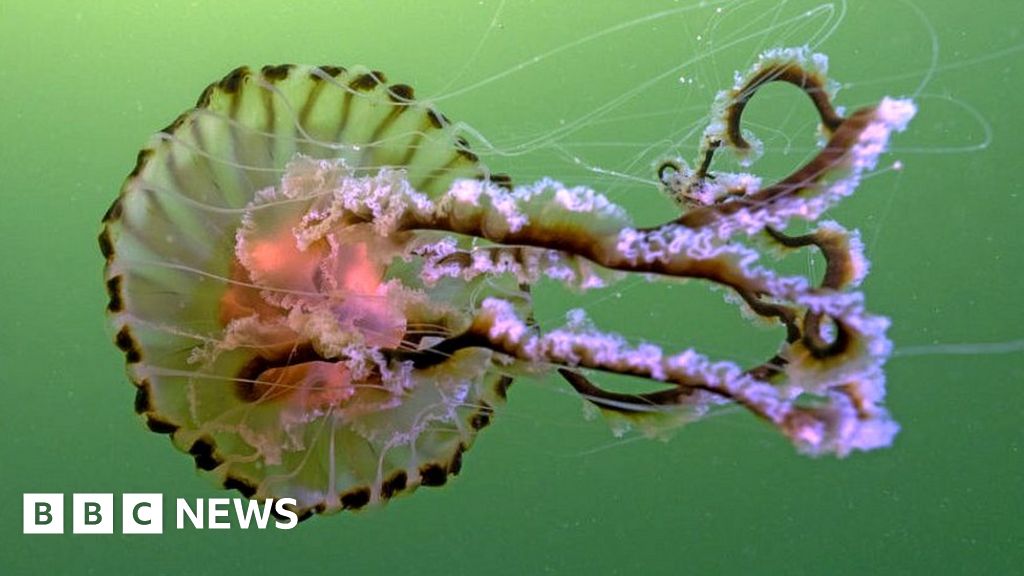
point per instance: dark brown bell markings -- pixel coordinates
(356, 499)
(401, 93)
(276, 73)
(160, 426)
(393, 485)
(106, 245)
(205, 453)
(369, 81)
(127, 344)
(115, 303)
(142, 402)
(433, 475)
(332, 71)
(140, 162)
(233, 81)
(244, 488)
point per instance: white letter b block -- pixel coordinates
(43, 514)
(92, 514)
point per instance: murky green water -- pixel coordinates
(587, 92)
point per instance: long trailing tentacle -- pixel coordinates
(838, 361)
(834, 348)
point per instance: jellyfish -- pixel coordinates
(322, 293)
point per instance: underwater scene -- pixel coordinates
(510, 287)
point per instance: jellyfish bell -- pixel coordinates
(263, 335)
(321, 293)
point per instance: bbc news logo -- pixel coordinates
(144, 513)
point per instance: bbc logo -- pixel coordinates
(93, 513)
(144, 513)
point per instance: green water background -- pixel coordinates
(83, 85)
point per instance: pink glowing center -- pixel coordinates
(329, 298)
